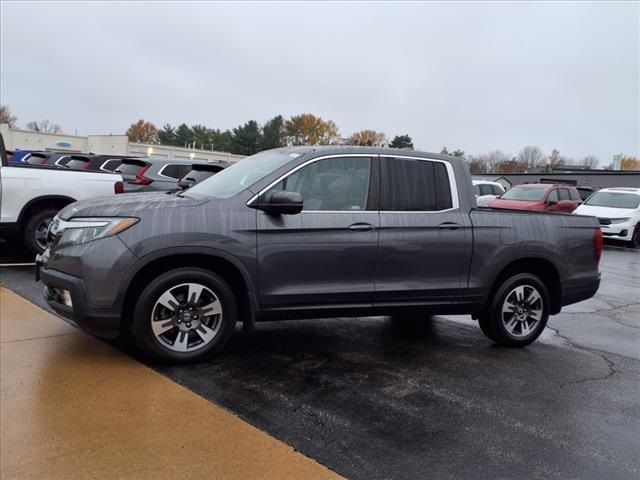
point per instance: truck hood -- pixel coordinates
(127, 205)
(516, 204)
(604, 212)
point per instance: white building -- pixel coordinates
(103, 144)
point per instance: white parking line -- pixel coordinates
(17, 264)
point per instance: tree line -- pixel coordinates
(251, 137)
(309, 129)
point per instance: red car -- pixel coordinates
(539, 196)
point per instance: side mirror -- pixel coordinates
(282, 203)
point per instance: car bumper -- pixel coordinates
(59, 287)
(575, 291)
(618, 231)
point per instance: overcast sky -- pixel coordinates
(475, 76)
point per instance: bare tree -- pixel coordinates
(6, 117)
(44, 126)
(532, 156)
(590, 161)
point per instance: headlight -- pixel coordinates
(82, 230)
(619, 220)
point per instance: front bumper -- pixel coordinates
(100, 321)
(618, 231)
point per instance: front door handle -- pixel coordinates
(449, 226)
(361, 227)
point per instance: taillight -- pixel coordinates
(140, 178)
(597, 245)
(118, 187)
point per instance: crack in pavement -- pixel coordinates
(604, 310)
(609, 362)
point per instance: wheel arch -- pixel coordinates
(542, 267)
(47, 200)
(226, 266)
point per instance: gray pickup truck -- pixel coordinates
(310, 232)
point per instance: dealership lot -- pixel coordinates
(406, 398)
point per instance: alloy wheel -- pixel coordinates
(186, 317)
(522, 309)
(40, 232)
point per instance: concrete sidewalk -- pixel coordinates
(72, 407)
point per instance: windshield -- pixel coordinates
(524, 194)
(614, 200)
(241, 175)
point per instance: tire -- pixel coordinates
(635, 239)
(35, 230)
(527, 297)
(170, 328)
(484, 320)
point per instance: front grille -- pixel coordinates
(604, 221)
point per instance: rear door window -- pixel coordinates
(563, 194)
(574, 194)
(486, 190)
(414, 185)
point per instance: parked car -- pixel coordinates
(200, 172)
(30, 197)
(97, 163)
(585, 192)
(540, 197)
(54, 159)
(618, 211)
(309, 232)
(18, 156)
(486, 191)
(144, 175)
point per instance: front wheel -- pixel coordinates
(518, 312)
(184, 315)
(635, 239)
(35, 230)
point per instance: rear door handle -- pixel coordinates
(449, 226)
(361, 227)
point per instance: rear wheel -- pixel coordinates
(518, 312)
(35, 230)
(184, 315)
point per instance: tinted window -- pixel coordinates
(574, 194)
(111, 165)
(170, 171)
(497, 190)
(77, 164)
(129, 168)
(333, 184)
(486, 190)
(414, 186)
(553, 196)
(564, 194)
(584, 194)
(476, 190)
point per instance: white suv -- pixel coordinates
(486, 192)
(618, 210)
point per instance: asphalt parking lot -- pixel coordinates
(431, 397)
